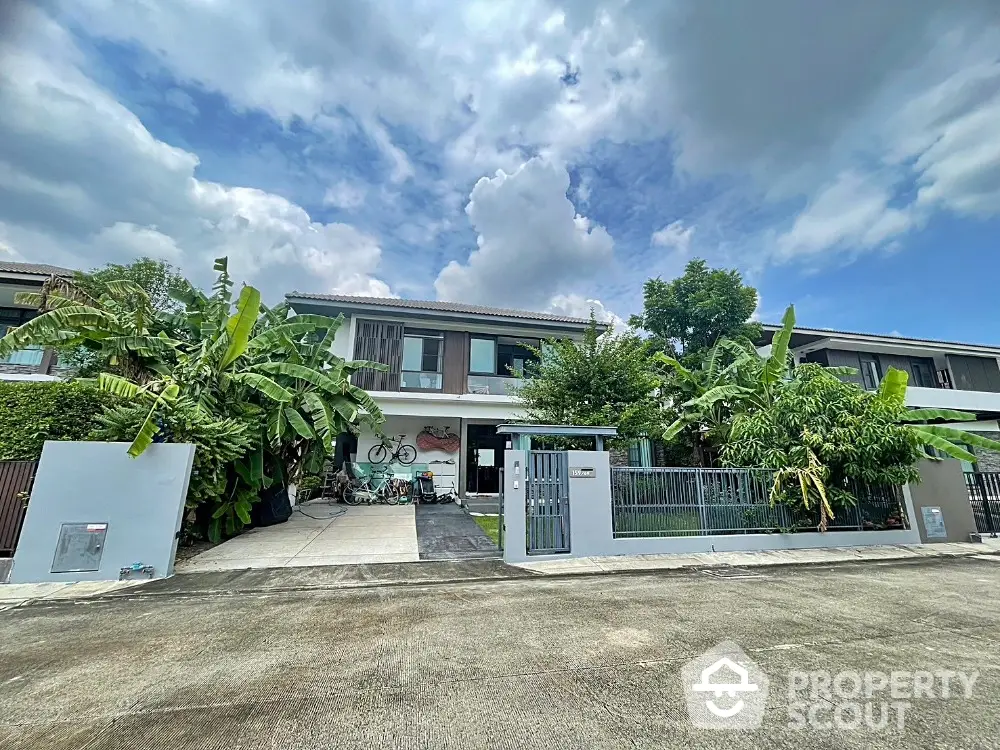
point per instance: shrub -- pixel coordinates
(219, 443)
(31, 413)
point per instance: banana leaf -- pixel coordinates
(263, 385)
(942, 444)
(322, 419)
(298, 423)
(240, 325)
(957, 436)
(892, 389)
(776, 367)
(929, 415)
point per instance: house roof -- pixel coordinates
(439, 307)
(805, 336)
(37, 269)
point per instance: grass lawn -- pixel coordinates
(491, 525)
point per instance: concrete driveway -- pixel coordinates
(586, 662)
(319, 534)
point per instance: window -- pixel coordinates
(922, 376)
(870, 373)
(11, 318)
(423, 354)
(483, 355)
(503, 356)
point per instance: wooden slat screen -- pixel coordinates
(379, 341)
(15, 477)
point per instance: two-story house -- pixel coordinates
(27, 364)
(449, 368)
(943, 374)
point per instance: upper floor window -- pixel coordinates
(11, 317)
(870, 373)
(423, 358)
(502, 356)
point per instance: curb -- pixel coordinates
(525, 575)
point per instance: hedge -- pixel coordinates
(31, 413)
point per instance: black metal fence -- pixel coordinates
(667, 502)
(984, 496)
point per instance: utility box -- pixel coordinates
(79, 548)
(97, 514)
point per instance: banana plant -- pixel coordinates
(121, 326)
(947, 440)
(324, 402)
(748, 381)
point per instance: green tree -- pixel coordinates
(157, 278)
(821, 434)
(687, 315)
(605, 380)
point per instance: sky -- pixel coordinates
(845, 157)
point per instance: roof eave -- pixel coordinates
(580, 324)
(949, 347)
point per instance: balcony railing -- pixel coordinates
(32, 356)
(490, 385)
(426, 381)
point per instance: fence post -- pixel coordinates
(699, 483)
(985, 498)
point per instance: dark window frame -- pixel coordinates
(424, 334)
(495, 338)
(865, 359)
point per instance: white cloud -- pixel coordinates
(852, 213)
(532, 244)
(790, 103)
(345, 195)
(578, 306)
(674, 235)
(83, 182)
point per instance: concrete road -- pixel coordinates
(585, 662)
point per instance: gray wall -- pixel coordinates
(942, 485)
(975, 373)
(847, 358)
(141, 500)
(591, 522)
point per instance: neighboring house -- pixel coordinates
(449, 367)
(33, 363)
(943, 374)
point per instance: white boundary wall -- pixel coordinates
(591, 525)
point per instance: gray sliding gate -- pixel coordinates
(547, 502)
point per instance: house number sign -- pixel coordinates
(582, 472)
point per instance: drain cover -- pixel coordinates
(731, 572)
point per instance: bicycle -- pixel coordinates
(403, 453)
(378, 488)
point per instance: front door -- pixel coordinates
(484, 459)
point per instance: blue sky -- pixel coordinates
(553, 158)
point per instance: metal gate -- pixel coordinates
(984, 496)
(547, 502)
(16, 478)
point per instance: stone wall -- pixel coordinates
(18, 369)
(988, 460)
(619, 456)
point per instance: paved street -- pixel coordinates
(584, 662)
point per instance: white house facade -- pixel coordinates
(942, 374)
(449, 370)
